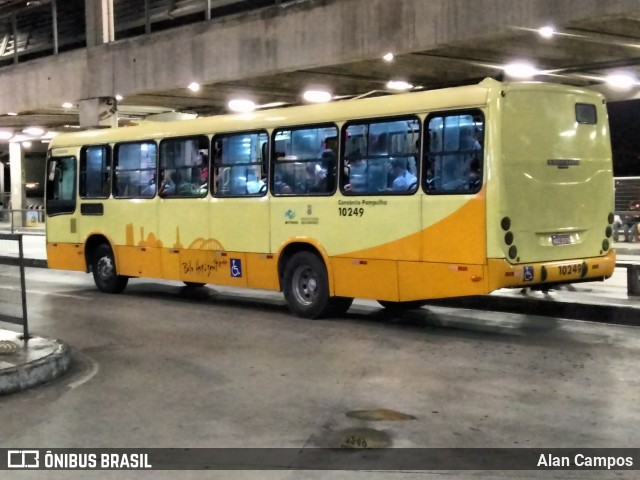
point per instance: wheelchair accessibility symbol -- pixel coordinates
(236, 267)
(528, 274)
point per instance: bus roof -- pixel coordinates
(400, 104)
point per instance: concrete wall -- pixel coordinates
(296, 36)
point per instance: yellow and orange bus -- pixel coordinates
(403, 198)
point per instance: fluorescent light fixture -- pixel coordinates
(6, 134)
(547, 31)
(241, 105)
(12, 114)
(620, 81)
(399, 85)
(26, 144)
(194, 87)
(67, 105)
(317, 96)
(49, 135)
(520, 70)
(33, 131)
(119, 97)
(388, 57)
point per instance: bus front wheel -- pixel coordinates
(306, 286)
(105, 275)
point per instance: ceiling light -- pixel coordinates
(546, 31)
(620, 81)
(520, 70)
(12, 114)
(119, 97)
(241, 105)
(194, 87)
(388, 57)
(33, 131)
(67, 105)
(26, 144)
(6, 134)
(317, 96)
(399, 85)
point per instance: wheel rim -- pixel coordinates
(305, 285)
(105, 269)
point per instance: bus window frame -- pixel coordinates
(159, 166)
(272, 158)
(48, 212)
(114, 164)
(213, 169)
(372, 120)
(445, 113)
(83, 158)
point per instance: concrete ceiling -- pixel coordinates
(580, 53)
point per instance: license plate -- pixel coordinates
(562, 239)
(570, 270)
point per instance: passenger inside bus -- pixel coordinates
(150, 189)
(167, 185)
(403, 179)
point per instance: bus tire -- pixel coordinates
(306, 286)
(105, 275)
(194, 284)
(401, 306)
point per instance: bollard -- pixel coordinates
(633, 280)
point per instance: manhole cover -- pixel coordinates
(7, 347)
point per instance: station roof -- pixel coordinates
(584, 50)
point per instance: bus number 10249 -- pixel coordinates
(351, 212)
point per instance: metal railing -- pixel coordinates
(13, 292)
(627, 195)
(47, 27)
(30, 219)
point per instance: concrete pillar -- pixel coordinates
(2, 186)
(99, 22)
(18, 191)
(99, 112)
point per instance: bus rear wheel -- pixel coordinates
(306, 286)
(402, 306)
(105, 275)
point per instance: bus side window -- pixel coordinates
(135, 169)
(305, 160)
(184, 167)
(239, 164)
(95, 171)
(453, 157)
(380, 157)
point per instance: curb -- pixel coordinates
(42, 370)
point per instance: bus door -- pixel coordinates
(454, 207)
(63, 249)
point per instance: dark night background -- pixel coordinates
(624, 119)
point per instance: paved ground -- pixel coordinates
(163, 366)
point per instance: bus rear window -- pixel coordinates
(586, 113)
